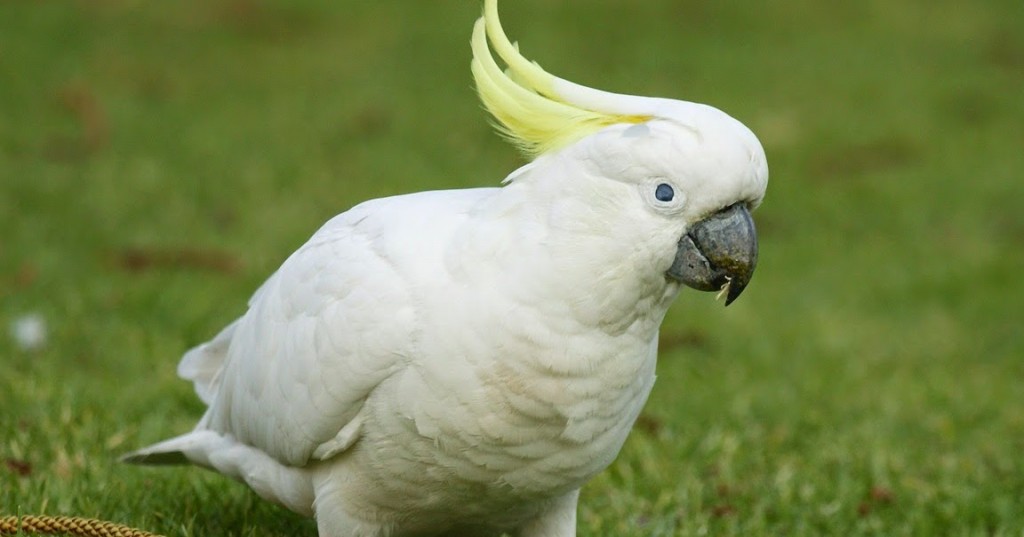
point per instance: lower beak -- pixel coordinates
(719, 252)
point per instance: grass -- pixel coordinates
(159, 160)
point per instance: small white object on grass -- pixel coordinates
(29, 332)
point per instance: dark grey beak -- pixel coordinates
(718, 251)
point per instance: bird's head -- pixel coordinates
(680, 178)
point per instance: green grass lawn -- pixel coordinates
(158, 160)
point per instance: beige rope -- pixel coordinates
(66, 525)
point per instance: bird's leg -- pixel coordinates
(558, 520)
(337, 523)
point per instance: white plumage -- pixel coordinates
(462, 362)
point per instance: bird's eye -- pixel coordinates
(664, 192)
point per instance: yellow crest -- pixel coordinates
(523, 99)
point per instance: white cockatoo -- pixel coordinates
(461, 362)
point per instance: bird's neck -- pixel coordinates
(577, 266)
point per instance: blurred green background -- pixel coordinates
(158, 160)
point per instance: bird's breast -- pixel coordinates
(520, 414)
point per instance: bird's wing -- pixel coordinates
(336, 320)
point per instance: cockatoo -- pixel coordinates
(461, 362)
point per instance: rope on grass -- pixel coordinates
(66, 525)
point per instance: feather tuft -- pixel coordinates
(528, 110)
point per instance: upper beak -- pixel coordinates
(719, 252)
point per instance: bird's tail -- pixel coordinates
(185, 449)
(289, 486)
